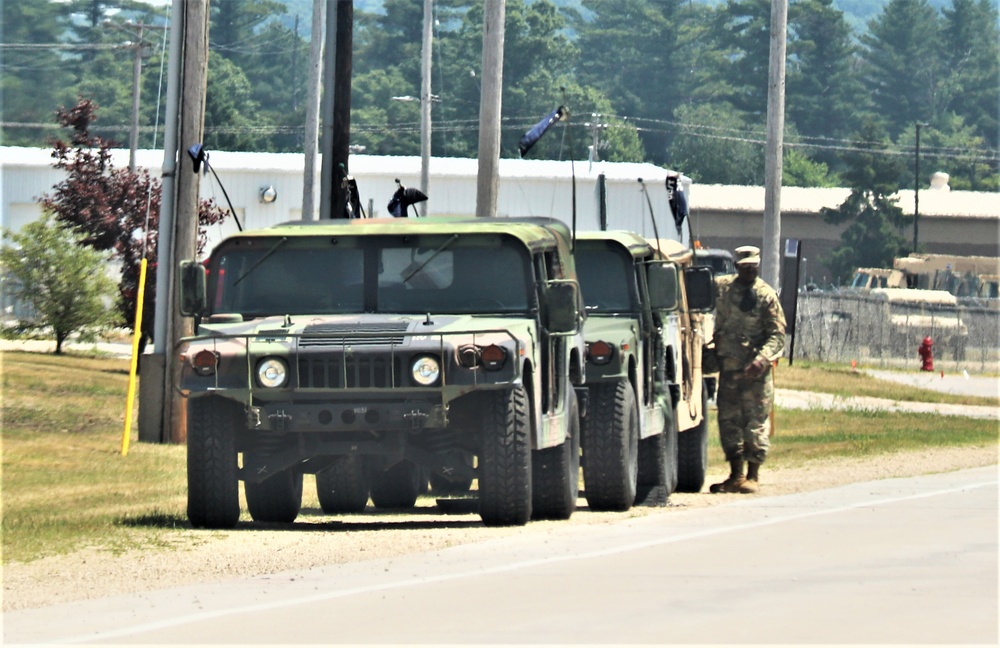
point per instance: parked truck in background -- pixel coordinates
(370, 352)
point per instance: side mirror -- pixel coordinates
(563, 299)
(192, 286)
(663, 284)
(700, 283)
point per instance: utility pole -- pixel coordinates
(916, 184)
(337, 108)
(138, 46)
(775, 137)
(425, 103)
(153, 373)
(494, 13)
(192, 129)
(312, 111)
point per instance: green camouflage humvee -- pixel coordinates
(644, 383)
(371, 352)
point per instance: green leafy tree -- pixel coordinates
(903, 63)
(824, 96)
(951, 146)
(33, 81)
(114, 210)
(231, 122)
(629, 50)
(874, 221)
(717, 145)
(972, 57)
(63, 280)
(743, 34)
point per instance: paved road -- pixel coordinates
(894, 561)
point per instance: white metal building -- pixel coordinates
(526, 187)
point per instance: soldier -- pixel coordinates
(749, 336)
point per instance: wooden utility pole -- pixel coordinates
(192, 129)
(337, 108)
(312, 110)
(494, 13)
(775, 138)
(425, 103)
(152, 371)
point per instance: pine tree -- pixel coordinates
(874, 220)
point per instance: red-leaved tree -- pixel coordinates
(115, 209)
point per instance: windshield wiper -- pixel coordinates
(436, 252)
(261, 260)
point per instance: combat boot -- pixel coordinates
(752, 481)
(734, 482)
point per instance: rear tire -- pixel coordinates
(505, 461)
(344, 486)
(692, 454)
(212, 470)
(658, 465)
(397, 487)
(277, 499)
(611, 447)
(555, 472)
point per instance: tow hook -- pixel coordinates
(279, 420)
(416, 418)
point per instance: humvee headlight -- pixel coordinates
(600, 352)
(425, 370)
(272, 372)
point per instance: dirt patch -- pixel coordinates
(315, 540)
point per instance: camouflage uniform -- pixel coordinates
(749, 323)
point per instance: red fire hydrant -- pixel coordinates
(926, 351)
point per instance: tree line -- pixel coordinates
(672, 82)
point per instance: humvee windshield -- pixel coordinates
(372, 274)
(607, 278)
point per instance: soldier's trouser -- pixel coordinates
(744, 404)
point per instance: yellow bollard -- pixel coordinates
(136, 336)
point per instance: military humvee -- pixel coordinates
(643, 370)
(368, 351)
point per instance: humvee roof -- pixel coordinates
(532, 234)
(637, 246)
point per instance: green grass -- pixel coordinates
(844, 381)
(65, 485)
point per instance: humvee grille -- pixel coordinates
(330, 372)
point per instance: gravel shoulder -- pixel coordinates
(191, 556)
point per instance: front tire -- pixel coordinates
(212, 470)
(505, 461)
(344, 486)
(611, 447)
(556, 471)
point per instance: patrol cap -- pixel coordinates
(747, 254)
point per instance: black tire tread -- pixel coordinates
(212, 470)
(505, 461)
(611, 437)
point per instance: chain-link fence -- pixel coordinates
(845, 326)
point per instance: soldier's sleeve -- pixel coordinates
(774, 327)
